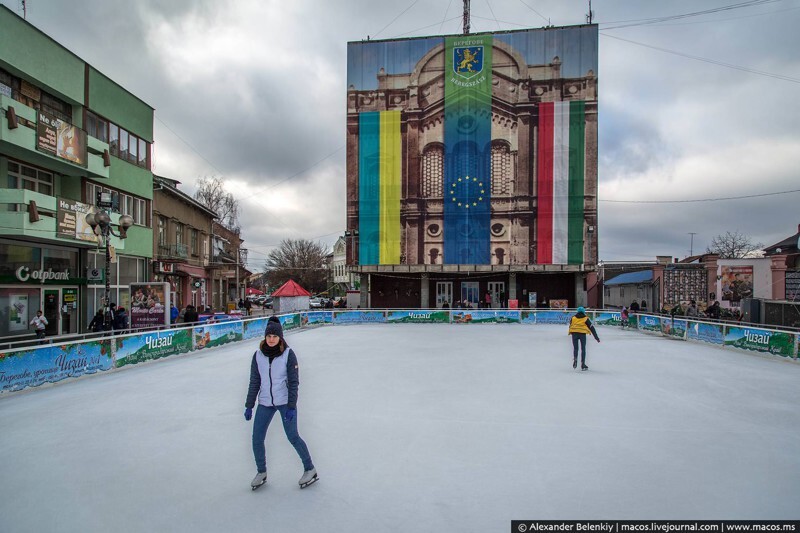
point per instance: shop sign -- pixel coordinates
(24, 274)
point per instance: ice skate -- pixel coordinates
(584, 367)
(575, 363)
(309, 477)
(259, 480)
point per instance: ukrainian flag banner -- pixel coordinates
(467, 157)
(379, 183)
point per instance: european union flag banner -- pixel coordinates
(467, 157)
(379, 182)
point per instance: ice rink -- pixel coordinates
(412, 428)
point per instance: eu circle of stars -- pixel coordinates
(467, 192)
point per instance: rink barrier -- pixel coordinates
(24, 368)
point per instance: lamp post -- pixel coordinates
(102, 226)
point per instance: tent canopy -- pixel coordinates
(252, 290)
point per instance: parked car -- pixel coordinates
(267, 303)
(315, 302)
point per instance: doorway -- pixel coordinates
(469, 293)
(60, 308)
(444, 293)
(497, 289)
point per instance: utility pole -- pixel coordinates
(466, 17)
(691, 243)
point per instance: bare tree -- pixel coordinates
(212, 194)
(734, 246)
(301, 260)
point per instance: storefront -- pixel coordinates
(42, 277)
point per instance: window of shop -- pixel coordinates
(61, 260)
(18, 306)
(14, 256)
(127, 270)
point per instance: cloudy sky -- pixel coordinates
(691, 108)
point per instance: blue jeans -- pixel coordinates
(579, 338)
(261, 423)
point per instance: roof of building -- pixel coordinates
(642, 276)
(290, 288)
(788, 245)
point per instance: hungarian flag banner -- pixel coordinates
(560, 183)
(379, 182)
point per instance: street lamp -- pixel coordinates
(102, 220)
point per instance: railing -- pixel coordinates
(173, 251)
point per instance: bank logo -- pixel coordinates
(468, 61)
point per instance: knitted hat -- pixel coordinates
(582, 310)
(274, 327)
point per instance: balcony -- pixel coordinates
(173, 252)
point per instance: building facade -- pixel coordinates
(67, 132)
(229, 272)
(472, 168)
(182, 245)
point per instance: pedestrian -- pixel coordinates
(487, 298)
(579, 326)
(692, 309)
(96, 325)
(190, 315)
(274, 381)
(174, 313)
(247, 306)
(39, 323)
(713, 310)
(624, 316)
(121, 320)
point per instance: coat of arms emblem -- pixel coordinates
(468, 61)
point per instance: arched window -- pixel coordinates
(432, 171)
(502, 169)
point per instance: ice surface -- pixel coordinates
(412, 428)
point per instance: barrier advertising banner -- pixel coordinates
(138, 348)
(313, 318)
(290, 321)
(553, 317)
(674, 328)
(217, 334)
(418, 316)
(254, 329)
(358, 317)
(650, 323)
(31, 368)
(607, 319)
(527, 317)
(700, 331)
(761, 340)
(487, 316)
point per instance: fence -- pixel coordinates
(31, 367)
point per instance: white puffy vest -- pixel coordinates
(274, 380)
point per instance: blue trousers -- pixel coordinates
(263, 417)
(579, 338)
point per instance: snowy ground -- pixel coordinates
(412, 428)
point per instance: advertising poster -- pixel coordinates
(700, 331)
(527, 317)
(559, 304)
(478, 316)
(607, 319)
(217, 334)
(71, 220)
(430, 317)
(61, 139)
(761, 340)
(650, 323)
(31, 368)
(314, 318)
(147, 347)
(18, 312)
(254, 329)
(737, 282)
(553, 317)
(674, 328)
(149, 305)
(358, 317)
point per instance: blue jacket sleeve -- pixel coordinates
(255, 384)
(293, 375)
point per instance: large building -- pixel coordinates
(67, 132)
(472, 168)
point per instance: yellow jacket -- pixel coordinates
(581, 324)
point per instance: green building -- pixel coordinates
(67, 132)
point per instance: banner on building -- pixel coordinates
(71, 220)
(736, 282)
(61, 139)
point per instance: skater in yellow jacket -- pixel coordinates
(579, 326)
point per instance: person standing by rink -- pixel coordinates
(274, 380)
(39, 323)
(579, 326)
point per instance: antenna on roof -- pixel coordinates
(24, 9)
(466, 17)
(590, 14)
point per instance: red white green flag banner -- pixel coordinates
(560, 183)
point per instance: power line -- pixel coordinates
(529, 7)
(655, 20)
(706, 60)
(693, 201)
(397, 17)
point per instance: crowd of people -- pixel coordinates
(692, 310)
